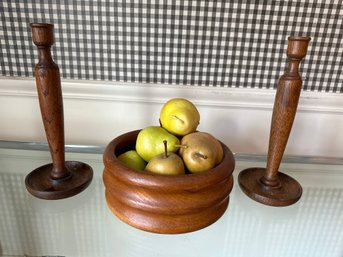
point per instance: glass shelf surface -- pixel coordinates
(83, 226)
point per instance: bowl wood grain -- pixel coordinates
(161, 203)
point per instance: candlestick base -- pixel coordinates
(40, 183)
(286, 193)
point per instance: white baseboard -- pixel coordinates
(96, 111)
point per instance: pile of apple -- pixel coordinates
(175, 146)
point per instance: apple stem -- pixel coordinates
(175, 117)
(165, 149)
(182, 146)
(159, 121)
(201, 155)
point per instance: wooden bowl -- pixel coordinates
(161, 203)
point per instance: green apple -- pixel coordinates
(179, 116)
(166, 163)
(149, 142)
(200, 151)
(132, 159)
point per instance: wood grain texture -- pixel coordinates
(50, 96)
(286, 193)
(285, 105)
(60, 179)
(269, 186)
(162, 203)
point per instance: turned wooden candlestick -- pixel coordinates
(268, 185)
(60, 179)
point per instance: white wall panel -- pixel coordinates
(95, 112)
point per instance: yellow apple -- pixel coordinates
(179, 116)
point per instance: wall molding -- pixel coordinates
(96, 111)
(150, 93)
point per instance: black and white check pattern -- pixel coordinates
(215, 43)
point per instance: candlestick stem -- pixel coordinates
(268, 185)
(60, 179)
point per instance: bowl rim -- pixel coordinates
(191, 182)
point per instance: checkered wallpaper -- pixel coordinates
(215, 43)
